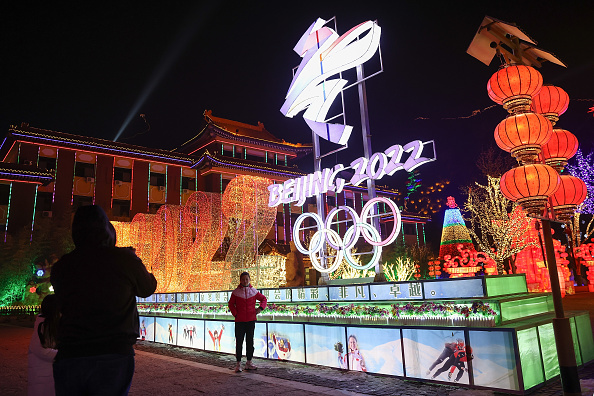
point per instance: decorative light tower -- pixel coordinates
(533, 184)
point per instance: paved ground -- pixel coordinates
(167, 370)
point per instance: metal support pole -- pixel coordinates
(563, 337)
(320, 203)
(367, 152)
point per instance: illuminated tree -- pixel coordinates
(401, 270)
(345, 271)
(494, 162)
(21, 256)
(497, 225)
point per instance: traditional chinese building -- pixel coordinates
(48, 175)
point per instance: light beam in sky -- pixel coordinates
(184, 35)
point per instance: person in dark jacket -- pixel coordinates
(96, 286)
(242, 305)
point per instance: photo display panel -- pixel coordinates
(323, 344)
(436, 354)
(260, 341)
(374, 350)
(493, 359)
(146, 328)
(219, 336)
(165, 330)
(456, 288)
(286, 342)
(190, 333)
(396, 291)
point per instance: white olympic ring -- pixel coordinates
(361, 227)
(355, 218)
(377, 249)
(296, 228)
(397, 220)
(339, 252)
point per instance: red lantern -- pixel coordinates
(530, 186)
(514, 86)
(551, 102)
(523, 135)
(562, 146)
(570, 194)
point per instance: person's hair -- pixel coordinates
(355, 338)
(244, 273)
(48, 329)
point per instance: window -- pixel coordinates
(48, 164)
(225, 182)
(120, 208)
(78, 201)
(409, 229)
(82, 169)
(122, 174)
(188, 183)
(44, 201)
(4, 193)
(157, 179)
(154, 207)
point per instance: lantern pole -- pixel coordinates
(570, 380)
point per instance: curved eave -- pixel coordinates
(216, 131)
(61, 140)
(209, 161)
(25, 176)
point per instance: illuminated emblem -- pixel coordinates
(361, 226)
(326, 54)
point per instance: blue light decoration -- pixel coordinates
(40, 273)
(583, 168)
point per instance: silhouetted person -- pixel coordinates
(96, 285)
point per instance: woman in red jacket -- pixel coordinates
(243, 307)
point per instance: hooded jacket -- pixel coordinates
(242, 303)
(96, 287)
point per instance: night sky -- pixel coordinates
(85, 67)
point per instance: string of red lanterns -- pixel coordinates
(541, 151)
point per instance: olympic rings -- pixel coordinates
(362, 226)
